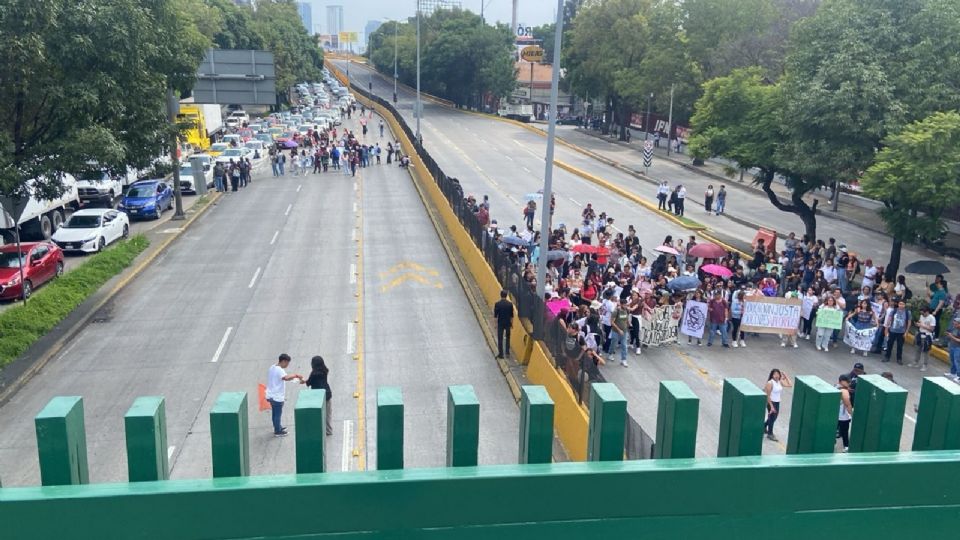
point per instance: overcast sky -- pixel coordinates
(356, 13)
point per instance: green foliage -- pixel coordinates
(232, 25)
(21, 326)
(461, 58)
(297, 56)
(86, 81)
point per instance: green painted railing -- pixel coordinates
(735, 495)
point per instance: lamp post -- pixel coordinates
(646, 125)
(548, 172)
(396, 34)
(418, 105)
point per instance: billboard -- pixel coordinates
(244, 77)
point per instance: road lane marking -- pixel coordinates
(170, 452)
(345, 450)
(574, 201)
(353, 274)
(299, 187)
(528, 170)
(508, 157)
(351, 338)
(910, 418)
(274, 239)
(255, 276)
(289, 207)
(354, 207)
(223, 343)
(353, 235)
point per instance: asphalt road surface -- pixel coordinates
(506, 162)
(274, 268)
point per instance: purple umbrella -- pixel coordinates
(289, 144)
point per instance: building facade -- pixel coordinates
(306, 15)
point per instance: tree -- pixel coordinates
(917, 176)
(232, 26)
(295, 52)
(86, 81)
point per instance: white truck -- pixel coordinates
(40, 218)
(98, 186)
(516, 111)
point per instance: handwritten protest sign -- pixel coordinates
(806, 308)
(771, 315)
(694, 319)
(662, 326)
(829, 318)
(861, 340)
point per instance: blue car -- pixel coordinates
(147, 198)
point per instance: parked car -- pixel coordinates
(186, 178)
(42, 261)
(236, 154)
(147, 198)
(92, 230)
(217, 148)
(98, 186)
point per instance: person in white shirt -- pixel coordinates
(829, 272)
(926, 324)
(277, 391)
(869, 274)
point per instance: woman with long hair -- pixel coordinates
(776, 381)
(317, 381)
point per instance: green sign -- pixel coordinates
(829, 318)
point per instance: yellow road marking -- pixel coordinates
(361, 438)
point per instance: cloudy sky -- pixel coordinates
(356, 13)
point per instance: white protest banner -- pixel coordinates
(694, 319)
(861, 340)
(806, 308)
(662, 325)
(770, 315)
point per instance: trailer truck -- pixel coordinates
(40, 217)
(204, 121)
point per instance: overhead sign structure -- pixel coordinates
(243, 77)
(349, 37)
(532, 53)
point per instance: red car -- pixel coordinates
(42, 261)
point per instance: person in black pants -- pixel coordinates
(318, 380)
(503, 311)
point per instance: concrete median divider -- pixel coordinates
(570, 419)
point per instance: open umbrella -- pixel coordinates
(556, 255)
(289, 143)
(588, 248)
(717, 270)
(926, 268)
(513, 241)
(683, 283)
(707, 250)
(666, 249)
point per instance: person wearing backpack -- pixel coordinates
(897, 325)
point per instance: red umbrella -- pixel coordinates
(717, 270)
(707, 250)
(666, 249)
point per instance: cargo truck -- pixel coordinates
(40, 218)
(205, 123)
(516, 111)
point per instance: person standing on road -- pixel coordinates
(924, 341)
(824, 334)
(938, 301)
(218, 176)
(953, 335)
(318, 381)
(381, 128)
(663, 190)
(736, 315)
(863, 318)
(619, 323)
(281, 162)
(718, 313)
(277, 391)
(681, 198)
(234, 176)
(846, 411)
(503, 311)
(897, 325)
(708, 198)
(721, 200)
(776, 381)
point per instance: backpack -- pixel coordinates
(907, 293)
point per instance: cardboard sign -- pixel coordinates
(771, 315)
(861, 340)
(694, 320)
(662, 326)
(829, 318)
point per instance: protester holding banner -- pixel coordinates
(808, 310)
(790, 338)
(829, 318)
(861, 327)
(698, 298)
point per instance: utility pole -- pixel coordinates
(646, 125)
(173, 108)
(513, 20)
(670, 121)
(396, 34)
(418, 105)
(545, 221)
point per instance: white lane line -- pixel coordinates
(170, 452)
(574, 201)
(351, 338)
(353, 274)
(479, 169)
(223, 343)
(354, 186)
(910, 418)
(274, 239)
(289, 207)
(254, 278)
(353, 235)
(299, 187)
(346, 452)
(526, 169)
(508, 157)
(354, 207)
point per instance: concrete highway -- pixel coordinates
(506, 162)
(275, 268)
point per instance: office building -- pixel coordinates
(334, 20)
(369, 29)
(306, 15)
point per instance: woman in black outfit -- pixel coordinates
(317, 381)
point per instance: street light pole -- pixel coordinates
(545, 221)
(646, 125)
(419, 106)
(173, 108)
(396, 34)
(670, 120)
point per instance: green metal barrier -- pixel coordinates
(608, 423)
(62, 442)
(677, 412)
(741, 419)
(230, 436)
(389, 428)
(938, 418)
(877, 415)
(463, 426)
(146, 429)
(536, 425)
(813, 416)
(310, 419)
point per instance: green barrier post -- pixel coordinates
(309, 415)
(741, 418)
(536, 425)
(229, 435)
(608, 423)
(877, 415)
(389, 428)
(938, 418)
(463, 426)
(145, 425)
(813, 416)
(677, 411)
(62, 442)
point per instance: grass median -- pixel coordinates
(22, 325)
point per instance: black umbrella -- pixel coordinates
(926, 268)
(513, 241)
(556, 255)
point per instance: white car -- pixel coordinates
(186, 178)
(92, 229)
(236, 154)
(255, 146)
